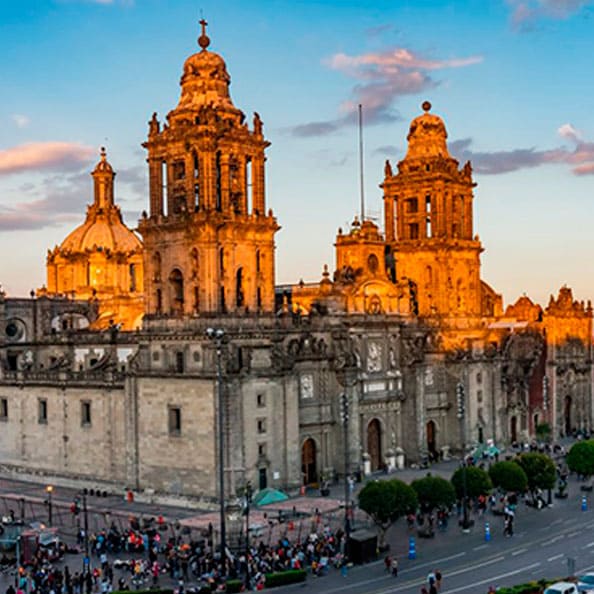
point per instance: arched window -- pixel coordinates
(176, 282)
(157, 266)
(132, 271)
(159, 301)
(239, 297)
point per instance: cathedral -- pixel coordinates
(401, 351)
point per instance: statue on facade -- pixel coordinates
(257, 124)
(388, 169)
(154, 126)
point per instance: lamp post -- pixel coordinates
(545, 409)
(217, 335)
(86, 520)
(460, 397)
(249, 491)
(49, 490)
(344, 416)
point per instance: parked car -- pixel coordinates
(562, 588)
(585, 582)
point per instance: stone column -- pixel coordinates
(258, 183)
(389, 218)
(225, 182)
(155, 186)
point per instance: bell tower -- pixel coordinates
(428, 223)
(208, 240)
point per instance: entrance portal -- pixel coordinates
(513, 429)
(374, 444)
(567, 415)
(431, 440)
(308, 462)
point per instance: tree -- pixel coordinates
(543, 432)
(385, 502)
(477, 482)
(580, 458)
(434, 491)
(540, 471)
(508, 476)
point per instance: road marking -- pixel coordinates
(436, 562)
(519, 552)
(473, 567)
(572, 534)
(590, 544)
(480, 548)
(555, 557)
(493, 579)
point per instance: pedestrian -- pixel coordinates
(394, 566)
(438, 579)
(388, 562)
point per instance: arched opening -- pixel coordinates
(374, 444)
(239, 298)
(157, 266)
(176, 282)
(159, 301)
(431, 440)
(309, 471)
(481, 436)
(132, 272)
(567, 415)
(513, 429)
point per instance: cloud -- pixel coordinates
(21, 121)
(387, 150)
(579, 157)
(382, 77)
(35, 156)
(62, 197)
(525, 13)
(379, 30)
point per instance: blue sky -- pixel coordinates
(511, 78)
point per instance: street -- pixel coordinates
(542, 543)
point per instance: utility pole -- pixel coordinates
(461, 414)
(217, 335)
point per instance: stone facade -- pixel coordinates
(401, 322)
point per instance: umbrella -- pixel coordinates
(268, 496)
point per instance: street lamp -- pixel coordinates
(248, 492)
(49, 490)
(344, 416)
(217, 335)
(461, 414)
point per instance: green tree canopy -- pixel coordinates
(434, 491)
(386, 501)
(580, 458)
(477, 481)
(540, 470)
(508, 476)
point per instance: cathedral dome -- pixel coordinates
(103, 166)
(105, 233)
(205, 80)
(103, 228)
(427, 136)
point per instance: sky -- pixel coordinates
(512, 79)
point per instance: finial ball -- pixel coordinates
(426, 106)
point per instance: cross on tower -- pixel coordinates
(203, 40)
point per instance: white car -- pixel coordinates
(562, 588)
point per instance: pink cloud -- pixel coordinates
(35, 156)
(382, 78)
(526, 12)
(580, 158)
